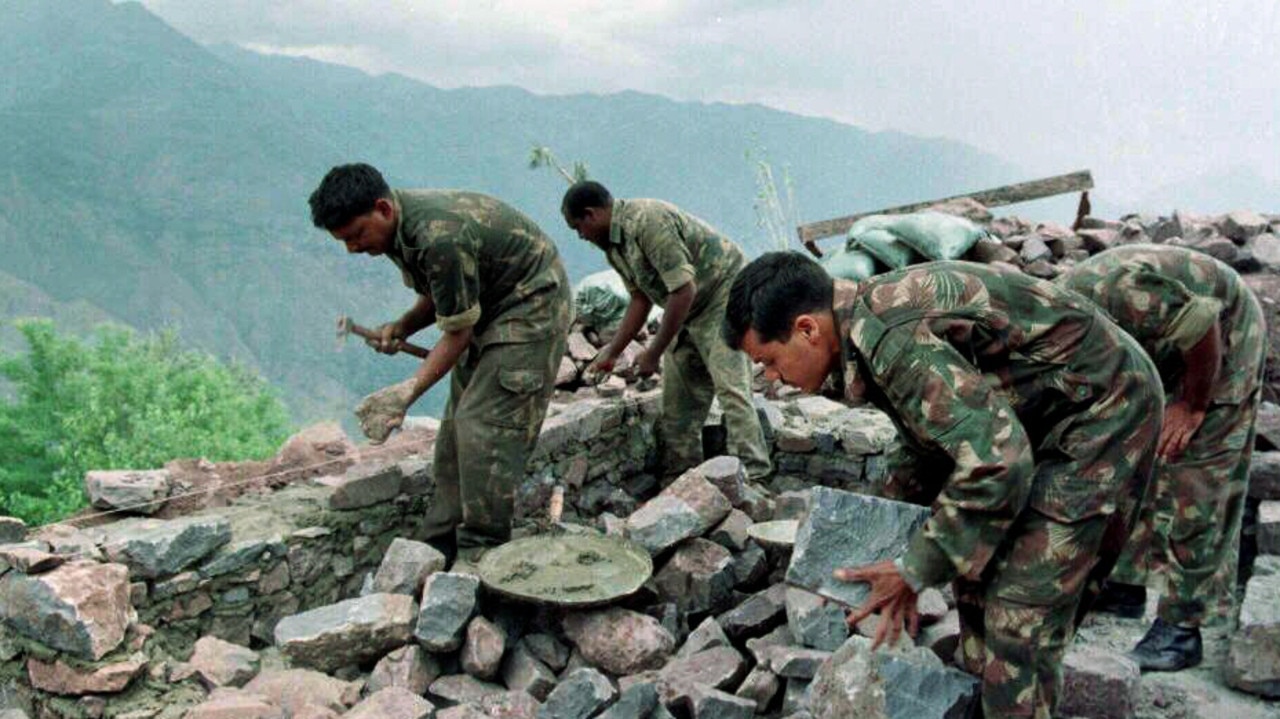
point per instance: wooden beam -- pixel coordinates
(995, 197)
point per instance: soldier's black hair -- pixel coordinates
(584, 194)
(345, 193)
(770, 292)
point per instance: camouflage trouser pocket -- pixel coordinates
(522, 379)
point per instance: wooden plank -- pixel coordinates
(994, 197)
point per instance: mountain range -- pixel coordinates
(150, 180)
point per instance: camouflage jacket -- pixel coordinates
(658, 248)
(981, 369)
(1167, 297)
(483, 263)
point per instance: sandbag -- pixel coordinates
(601, 299)
(847, 264)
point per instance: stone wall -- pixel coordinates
(140, 591)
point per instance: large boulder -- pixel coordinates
(81, 607)
(347, 633)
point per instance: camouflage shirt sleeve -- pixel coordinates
(950, 409)
(1160, 311)
(660, 242)
(451, 255)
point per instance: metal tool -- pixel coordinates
(348, 327)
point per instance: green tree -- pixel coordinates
(541, 156)
(775, 206)
(123, 401)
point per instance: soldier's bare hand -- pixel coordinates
(1181, 423)
(602, 365)
(647, 364)
(890, 595)
(390, 337)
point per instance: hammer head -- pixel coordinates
(344, 329)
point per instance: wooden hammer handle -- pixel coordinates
(407, 347)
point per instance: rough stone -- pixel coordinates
(566, 373)
(377, 409)
(349, 632)
(12, 530)
(760, 686)
(844, 529)
(732, 532)
(234, 704)
(221, 664)
(405, 566)
(548, 650)
(81, 607)
(159, 549)
(814, 621)
(758, 615)
(750, 566)
(292, 689)
(1264, 475)
(1099, 684)
(483, 648)
(942, 637)
(727, 474)
(698, 577)
(663, 522)
(708, 635)
(932, 606)
(580, 695)
(1269, 527)
(1242, 225)
(364, 485)
(68, 680)
(792, 505)
(448, 602)
(889, 684)
(522, 671)
(793, 662)
(1096, 241)
(719, 667)
(408, 667)
(864, 431)
(1034, 249)
(702, 702)
(636, 702)
(392, 703)
(463, 689)
(580, 348)
(704, 497)
(29, 560)
(620, 641)
(1253, 660)
(139, 491)
(238, 556)
(796, 436)
(502, 705)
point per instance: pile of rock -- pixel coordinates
(421, 639)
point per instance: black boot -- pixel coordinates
(1123, 600)
(1168, 648)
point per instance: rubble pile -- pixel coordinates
(318, 596)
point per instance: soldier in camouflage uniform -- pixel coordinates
(668, 257)
(1026, 418)
(1205, 331)
(494, 285)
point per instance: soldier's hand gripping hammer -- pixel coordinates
(348, 327)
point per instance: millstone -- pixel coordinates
(576, 570)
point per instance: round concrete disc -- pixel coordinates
(781, 533)
(571, 570)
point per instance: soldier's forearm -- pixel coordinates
(634, 318)
(443, 357)
(673, 317)
(1201, 365)
(418, 317)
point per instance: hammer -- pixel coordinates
(347, 327)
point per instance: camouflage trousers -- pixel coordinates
(498, 398)
(1189, 529)
(1018, 620)
(697, 368)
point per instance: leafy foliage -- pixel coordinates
(541, 156)
(122, 402)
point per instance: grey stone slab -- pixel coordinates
(815, 622)
(348, 632)
(1253, 659)
(844, 529)
(890, 684)
(160, 548)
(579, 696)
(448, 602)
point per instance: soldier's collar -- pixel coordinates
(851, 384)
(398, 242)
(615, 222)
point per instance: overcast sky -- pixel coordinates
(1144, 93)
